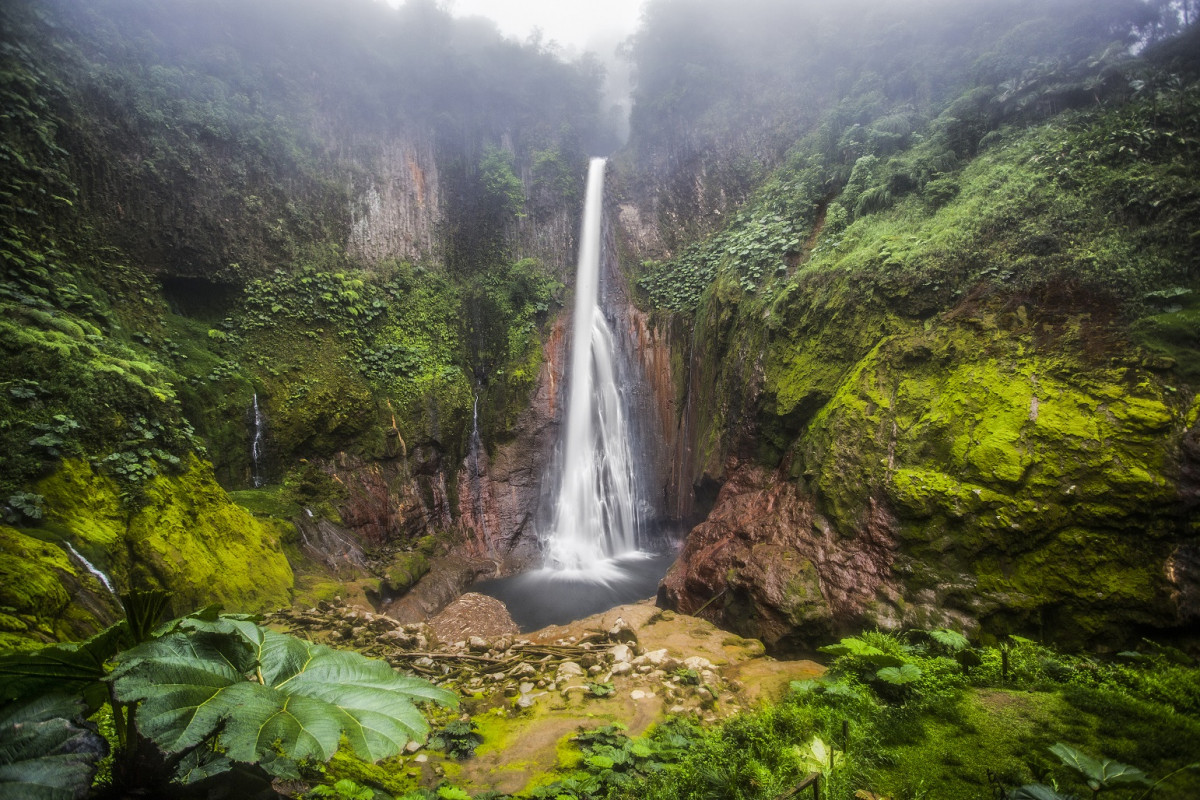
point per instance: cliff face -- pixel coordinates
(285, 253)
(953, 398)
(396, 206)
(502, 489)
(983, 472)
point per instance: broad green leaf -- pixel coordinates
(201, 764)
(857, 647)
(194, 684)
(900, 676)
(814, 757)
(44, 753)
(1104, 773)
(1114, 773)
(76, 668)
(951, 640)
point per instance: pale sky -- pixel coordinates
(575, 24)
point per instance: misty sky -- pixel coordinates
(574, 24)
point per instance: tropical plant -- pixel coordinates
(457, 739)
(817, 756)
(345, 789)
(48, 751)
(859, 649)
(209, 694)
(1100, 774)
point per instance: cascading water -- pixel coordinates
(475, 469)
(99, 575)
(596, 544)
(257, 443)
(596, 514)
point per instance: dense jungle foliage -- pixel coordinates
(955, 294)
(894, 237)
(177, 196)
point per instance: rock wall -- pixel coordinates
(990, 469)
(187, 537)
(500, 489)
(396, 211)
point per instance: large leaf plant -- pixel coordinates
(215, 695)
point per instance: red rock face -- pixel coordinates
(765, 565)
(499, 494)
(390, 500)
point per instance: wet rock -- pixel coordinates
(753, 564)
(568, 670)
(620, 654)
(472, 617)
(448, 577)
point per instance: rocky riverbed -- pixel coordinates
(527, 694)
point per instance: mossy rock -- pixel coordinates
(42, 594)
(187, 537)
(407, 568)
(1042, 474)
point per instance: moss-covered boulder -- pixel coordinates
(44, 595)
(184, 535)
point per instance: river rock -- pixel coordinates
(472, 617)
(620, 653)
(568, 670)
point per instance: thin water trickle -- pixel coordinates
(257, 443)
(475, 469)
(100, 576)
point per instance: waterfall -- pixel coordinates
(100, 576)
(596, 516)
(475, 470)
(256, 443)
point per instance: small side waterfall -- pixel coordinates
(475, 472)
(596, 515)
(100, 576)
(256, 444)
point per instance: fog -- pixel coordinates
(574, 25)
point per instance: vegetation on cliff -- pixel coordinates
(968, 314)
(188, 233)
(930, 272)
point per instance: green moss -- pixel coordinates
(1019, 461)
(1171, 336)
(405, 570)
(1007, 733)
(388, 775)
(34, 595)
(273, 501)
(187, 538)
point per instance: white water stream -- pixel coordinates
(100, 576)
(256, 444)
(596, 514)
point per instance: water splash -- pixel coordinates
(256, 444)
(596, 514)
(100, 576)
